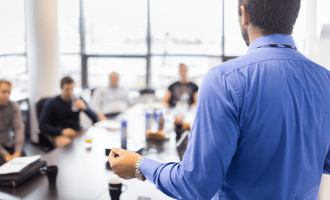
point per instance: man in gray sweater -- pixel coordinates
(10, 117)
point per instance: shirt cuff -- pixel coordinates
(148, 168)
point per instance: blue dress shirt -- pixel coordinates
(262, 130)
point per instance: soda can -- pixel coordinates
(124, 134)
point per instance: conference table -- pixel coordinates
(84, 174)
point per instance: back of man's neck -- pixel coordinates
(254, 33)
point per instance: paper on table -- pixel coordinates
(109, 125)
(18, 164)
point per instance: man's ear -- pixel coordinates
(245, 16)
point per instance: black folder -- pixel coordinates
(15, 179)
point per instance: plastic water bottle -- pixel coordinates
(148, 121)
(160, 121)
(185, 101)
(73, 107)
(124, 134)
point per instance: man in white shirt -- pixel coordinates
(110, 101)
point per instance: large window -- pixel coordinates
(115, 27)
(12, 43)
(234, 43)
(69, 39)
(165, 69)
(68, 23)
(186, 27)
(144, 40)
(70, 65)
(132, 72)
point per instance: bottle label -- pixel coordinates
(124, 134)
(123, 143)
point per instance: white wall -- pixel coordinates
(317, 51)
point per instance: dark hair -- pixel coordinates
(6, 82)
(66, 80)
(272, 17)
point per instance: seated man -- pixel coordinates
(110, 101)
(10, 117)
(183, 90)
(59, 117)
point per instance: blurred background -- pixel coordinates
(145, 40)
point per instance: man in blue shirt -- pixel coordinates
(262, 126)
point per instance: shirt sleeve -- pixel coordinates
(90, 113)
(18, 128)
(212, 144)
(3, 151)
(326, 168)
(195, 88)
(170, 88)
(44, 121)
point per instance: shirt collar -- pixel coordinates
(271, 39)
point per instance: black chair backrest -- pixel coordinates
(40, 105)
(92, 91)
(147, 91)
(182, 144)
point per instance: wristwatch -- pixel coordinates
(138, 173)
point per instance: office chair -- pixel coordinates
(46, 142)
(147, 91)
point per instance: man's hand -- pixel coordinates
(102, 117)
(7, 157)
(69, 132)
(123, 162)
(62, 140)
(79, 103)
(16, 154)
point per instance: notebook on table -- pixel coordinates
(18, 170)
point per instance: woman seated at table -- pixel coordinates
(183, 91)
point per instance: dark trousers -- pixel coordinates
(11, 151)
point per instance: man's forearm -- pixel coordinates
(3, 151)
(91, 114)
(18, 128)
(151, 169)
(19, 139)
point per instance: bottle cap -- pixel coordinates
(123, 123)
